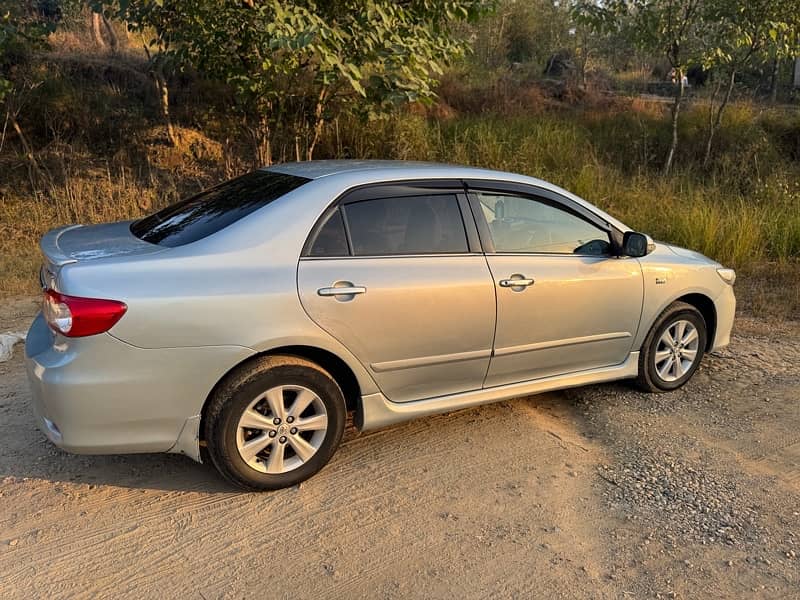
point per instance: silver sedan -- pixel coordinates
(242, 325)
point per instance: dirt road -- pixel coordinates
(599, 492)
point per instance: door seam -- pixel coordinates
(496, 315)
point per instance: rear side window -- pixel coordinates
(331, 239)
(213, 210)
(407, 225)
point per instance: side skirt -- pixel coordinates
(377, 411)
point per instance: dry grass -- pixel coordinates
(80, 188)
(738, 213)
(105, 157)
(84, 198)
(770, 290)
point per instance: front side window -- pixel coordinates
(407, 225)
(527, 225)
(214, 209)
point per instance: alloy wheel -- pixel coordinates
(281, 429)
(676, 351)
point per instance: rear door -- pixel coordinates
(395, 273)
(565, 302)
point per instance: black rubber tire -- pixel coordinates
(648, 379)
(234, 394)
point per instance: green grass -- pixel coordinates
(743, 211)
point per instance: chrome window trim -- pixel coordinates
(509, 188)
(545, 198)
(566, 254)
(398, 189)
(374, 256)
(464, 189)
(545, 195)
(457, 254)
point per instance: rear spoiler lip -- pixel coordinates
(51, 250)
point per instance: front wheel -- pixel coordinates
(673, 349)
(274, 423)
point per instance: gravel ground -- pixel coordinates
(712, 470)
(596, 492)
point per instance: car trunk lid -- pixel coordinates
(80, 243)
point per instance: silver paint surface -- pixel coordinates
(429, 334)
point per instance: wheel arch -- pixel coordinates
(705, 305)
(333, 364)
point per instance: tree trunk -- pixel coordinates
(773, 82)
(163, 95)
(319, 122)
(262, 143)
(113, 40)
(97, 33)
(676, 111)
(714, 124)
(157, 71)
(34, 173)
(711, 101)
(500, 38)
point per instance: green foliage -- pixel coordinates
(297, 64)
(747, 210)
(671, 28)
(737, 31)
(22, 29)
(519, 31)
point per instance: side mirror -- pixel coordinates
(637, 244)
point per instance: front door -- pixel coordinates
(396, 281)
(564, 303)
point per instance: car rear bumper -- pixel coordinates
(99, 395)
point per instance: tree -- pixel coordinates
(22, 31)
(532, 30)
(100, 23)
(738, 32)
(670, 28)
(294, 65)
(143, 17)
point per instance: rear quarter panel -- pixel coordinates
(236, 287)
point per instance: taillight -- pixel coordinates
(77, 317)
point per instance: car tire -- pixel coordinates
(664, 363)
(252, 409)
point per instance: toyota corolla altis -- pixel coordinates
(243, 324)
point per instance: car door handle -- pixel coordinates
(342, 291)
(512, 283)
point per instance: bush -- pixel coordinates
(95, 127)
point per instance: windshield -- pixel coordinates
(214, 209)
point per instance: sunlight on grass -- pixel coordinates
(744, 211)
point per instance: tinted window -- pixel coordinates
(528, 225)
(214, 209)
(331, 239)
(410, 225)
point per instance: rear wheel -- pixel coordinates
(673, 349)
(274, 423)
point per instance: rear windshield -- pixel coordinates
(212, 210)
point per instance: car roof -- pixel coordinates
(359, 172)
(316, 169)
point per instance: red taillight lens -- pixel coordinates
(77, 317)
